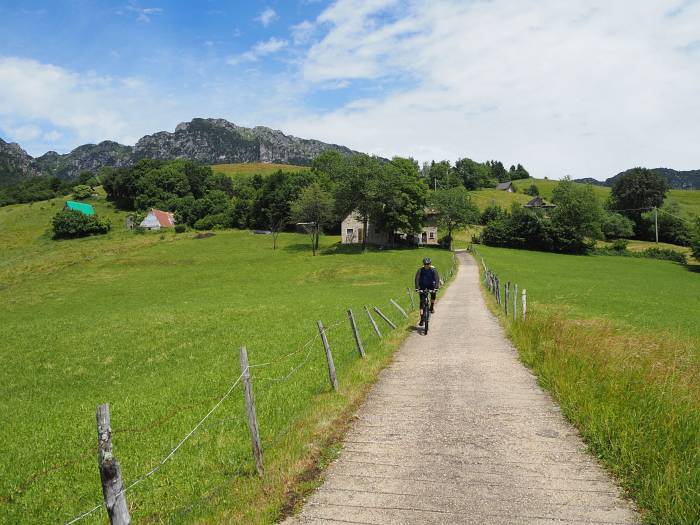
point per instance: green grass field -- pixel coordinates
(617, 342)
(255, 168)
(689, 200)
(152, 324)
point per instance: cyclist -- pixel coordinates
(427, 278)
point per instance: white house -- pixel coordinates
(352, 231)
(157, 219)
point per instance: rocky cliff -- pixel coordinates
(209, 141)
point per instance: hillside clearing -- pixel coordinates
(255, 168)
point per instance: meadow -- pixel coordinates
(617, 342)
(152, 324)
(255, 168)
(689, 200)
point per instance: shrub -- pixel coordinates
(212, 221)
(665, 254)
(82, 192)
(616, 226)
(532, 190)
(492, 213)
(180, 228)
(68, 224)
(620, 245)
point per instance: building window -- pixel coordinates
(432, 235)
(349, 232)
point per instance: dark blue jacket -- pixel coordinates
(427, 279)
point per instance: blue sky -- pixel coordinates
(581, 88)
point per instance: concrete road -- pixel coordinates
(458, 431)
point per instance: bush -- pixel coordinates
(68, 224)
(664, 254)
(212, 221)
(620, 245)
(616, 226)
(180, 228)
(82, 192)
(532, 190)
(492, 213)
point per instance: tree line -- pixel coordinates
(470, 174)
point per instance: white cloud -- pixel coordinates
(267, 17)
(263, 48)
(52, 103)
(144, 14)
(586, 89)
(302, 32)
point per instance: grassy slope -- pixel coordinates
(153, 326)
(689, 200)
(618, 343)
(255, 168)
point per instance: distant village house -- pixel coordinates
(506, 186)
(539, 203)
(157, 219)
(353, 232)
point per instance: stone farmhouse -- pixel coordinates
(157, 219)
(353, 232)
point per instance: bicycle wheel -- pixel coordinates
(425, 324)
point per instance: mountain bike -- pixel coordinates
(425, 300)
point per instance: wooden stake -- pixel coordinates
(374, 324)
(505, 303)
(515, 303)
(110, 472)
(410, 296)
(389, 322)
(250, 409)
(356, 334)
(403, 312)
(329, 356)
(524, 303)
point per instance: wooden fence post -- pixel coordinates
(403, 312)
(505, 303)
(374, 324)
(329, 356)
(524, 303)
(356, 334)
(389, 322)
(515, 303)
(250, 409)
(110, 472)
(410, 296)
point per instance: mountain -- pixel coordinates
(676, 180)
(15, 163)
(209, 141)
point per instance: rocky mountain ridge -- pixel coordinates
(209, 141)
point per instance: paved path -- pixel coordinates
(458, 431)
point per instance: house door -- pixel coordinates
(360, 235)
(424, 238)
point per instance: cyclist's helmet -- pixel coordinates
(427, 260)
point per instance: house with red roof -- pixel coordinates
(157, 219)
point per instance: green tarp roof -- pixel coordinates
(83, 208)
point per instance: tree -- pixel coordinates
(695, 243)
(315, 207)
(672, 227)
(401, 197)
(498, 171)
(87, 178)
(636, 191)
(616, 226)
(492, 213)
(81, 192)
(454, 210)
(577, 218)
(356, 189)
(474, 175)
(518, 172)
(277, 216)
(68, 224)
(441, 175)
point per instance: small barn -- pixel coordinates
(539, 203)
(157, 219)
(82, 207)
(506, 186)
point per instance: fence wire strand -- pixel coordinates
(170, 454)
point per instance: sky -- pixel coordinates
(585, 89)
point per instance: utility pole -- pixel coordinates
(656, 223)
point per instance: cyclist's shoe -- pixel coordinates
(432, 310)
(420, 323)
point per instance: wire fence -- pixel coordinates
(512, 301)
(254, 373)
